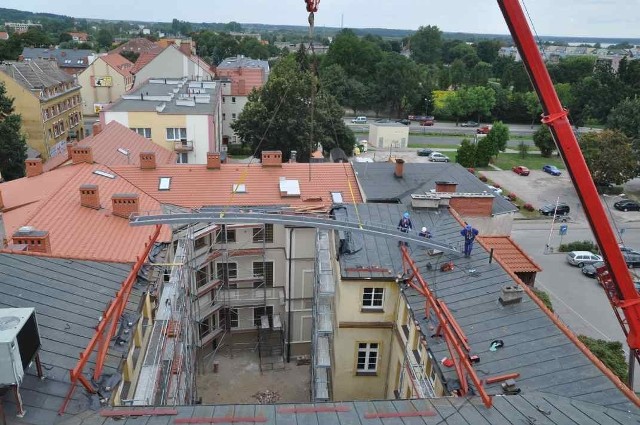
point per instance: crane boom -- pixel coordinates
(555, 116)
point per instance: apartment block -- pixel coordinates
(104, 82)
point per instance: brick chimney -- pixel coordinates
(35, 240)
(399, 172)
(34, 167)
(70, 146)
(81, 154)
(89, 196)
(97, 128)
(147, 160)
(447, 187)
(124, 204)
(472, 204)
(213, 160)
(272, 158)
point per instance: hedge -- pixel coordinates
(610, 353)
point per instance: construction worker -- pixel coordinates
(469, 234)
(424, 233)
(405, 225)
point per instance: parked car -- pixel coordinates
(485, 129)
(627, 205)
(551, 169)
(383, 121)
(404, 121)
(632, 259)
(428, 122)
(590, 269)
(626, 249)
(469, 124)
(582, 258)
(521, 169)
(438, 157)
(425, 152)
(495, 190)
(562, 209)
(359, 120)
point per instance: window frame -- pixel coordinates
(232, 267)
(231, 235)
(268, 272)
(371, 355)
(376, 301)
(268, 234)
(176, 131)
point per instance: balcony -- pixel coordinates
(183, 146)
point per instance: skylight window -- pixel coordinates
(336, 197)
(164, 183)
(123, 151)
(239, 188)
(104, 174)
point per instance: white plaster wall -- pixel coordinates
(121, 117)
(198, 132)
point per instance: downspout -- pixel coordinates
(289, 296)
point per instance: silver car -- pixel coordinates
(438, 157)
(582, 258)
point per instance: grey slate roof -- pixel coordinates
(66, 58)
(378, 182)
(535, 408)
(36, 74)
(533, 345)
(69, 296)
(243, 62)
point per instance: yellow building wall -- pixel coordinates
(101, 95)
(34, 125)
(158, 125)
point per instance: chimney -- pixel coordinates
(292, 158)
(81, 154)
(147, 160)
(124, 204)
(447, 187)
(272, 158)
(399, 168)
(35, 240)
(97, 128)
(70, 146)
(34, 167)
(472, 204)
(89, 196)
(213, 160)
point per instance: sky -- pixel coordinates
(581, 18)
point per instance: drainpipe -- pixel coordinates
(289, 296)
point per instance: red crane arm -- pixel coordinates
(312, 5)
(555, 116)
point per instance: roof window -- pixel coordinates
(104, 174)
(164, 183)
(239, 188)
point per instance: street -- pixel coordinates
(452, 141)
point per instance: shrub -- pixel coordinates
(512, 197)
(528, 207)
(544, 297)
(610, 353)
(483, 178)
(578, 246)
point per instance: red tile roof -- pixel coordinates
(4, 35)
(196, 186)
(118, 62)
(75, 231)
(55, 161)
(511, 254)
(138, 45)
(143, 60)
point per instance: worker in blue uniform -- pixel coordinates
(469, 234)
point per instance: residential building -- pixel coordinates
(49, 102)
(318, 48)
(71, 61)
(178, 114)
(239, 75)
(79, 36)
(21, 27)
(4, 35)
(137, 45)
(385, 135)
(104, 81)
(172, 62)
(186, 45)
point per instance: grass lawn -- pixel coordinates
(507, 161)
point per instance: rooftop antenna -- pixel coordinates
(125, 153)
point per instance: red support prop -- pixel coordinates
(500, 378)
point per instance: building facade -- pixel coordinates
(172, 62)
(71, 61)
(49, 102)
(104, 81)
(180, 115)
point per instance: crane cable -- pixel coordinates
(312, 8)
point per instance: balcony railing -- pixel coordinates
(183, 146)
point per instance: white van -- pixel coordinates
(359, 120)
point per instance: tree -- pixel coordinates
(458, 72)
(480, 74)
(397, 83)
(484, 152)
(334, 81)
(479, 100)
(426, 45)
(534, 108)
(279, 115)
(609, 156)
(543, 140)
(626, 118)
(488, 50)
(104, 38)
(453, 105)
(233, 26)
(65, 37)
(498, 136)
(130, 55)
(466, 154)
(13, 147)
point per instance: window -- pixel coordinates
(266, 235)
(144, 132)
(231, 235)
(223, 99)
(233, 100)
(233, 116)
(231, 268)
(258, 312)
(201, 277)
(182, 158)
(265, 271)
(176, 133)
(367, 358)
(224, 117)
(201, 242)
(372, 298)
(229, 318)
(164, 183)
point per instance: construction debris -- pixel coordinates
(267, 397)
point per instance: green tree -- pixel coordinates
(572, 69)
(13, 147)
(480, 100)
(334, 81)
(466, 154)
(523, 149)
(104, 38)
(626, 118)
(357, 95)
(611, 353)
(397, 83)
(543, 139)
(609, 156)
(534, 108)
(64, 37)
(280, 116)
(498, 136)
(233, 26)
(484, 152)
(488, 50)
(454, 106)
(458, 72)
(480, 74)
(426, 45)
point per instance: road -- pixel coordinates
(453, 141)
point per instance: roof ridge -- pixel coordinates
(136, 186)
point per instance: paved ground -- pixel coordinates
(239, 379)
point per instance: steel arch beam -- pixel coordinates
(219, 216)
